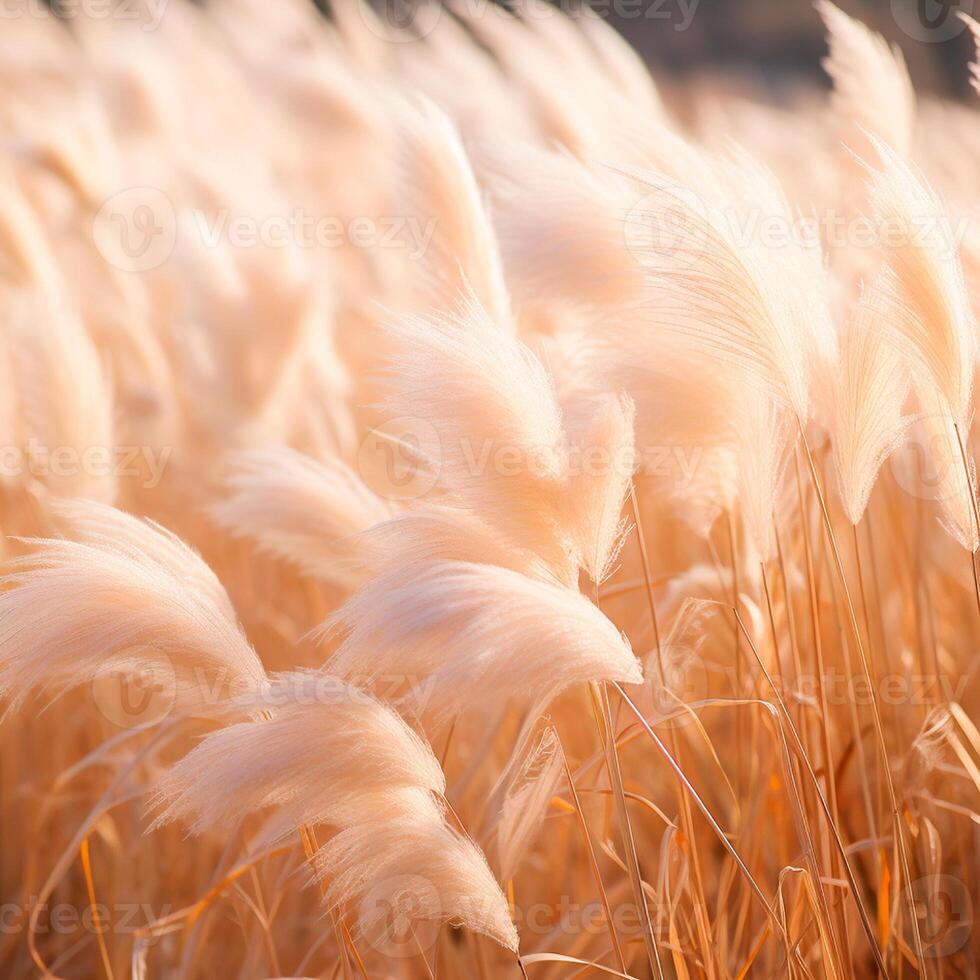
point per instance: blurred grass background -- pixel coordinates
(775, 43)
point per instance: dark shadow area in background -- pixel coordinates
(771, 44)
(771, 41)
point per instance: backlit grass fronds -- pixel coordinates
(471, 637)
(871, 392)
(413, 865)
(873, 93)
(441, 188)
(306, 511)
(487, 419)
(127, 596)
(317, 749)
(374, 381)
(932, 314)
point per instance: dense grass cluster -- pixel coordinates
(466, 514)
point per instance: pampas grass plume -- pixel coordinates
(465, 339)
(128, 594)
(871, 392)
(316, 748)
(308, 512)
(873, 93)
(472, 637)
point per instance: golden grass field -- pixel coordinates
(466, 516)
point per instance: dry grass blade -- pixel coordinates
(381, 335)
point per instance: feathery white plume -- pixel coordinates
(440, 189)
(737, 302)
(326, 752)
(440, 533)
(65, 399)
(873, 93)
(956, 486)
(872, 385)
(414, 866)
(560, 228)
(931, 318)
(472, 636)
(601, 442)
(113, 530)
(494, 424)
(71, 609)
(931, 310)
(306, 511)
(789, 267)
